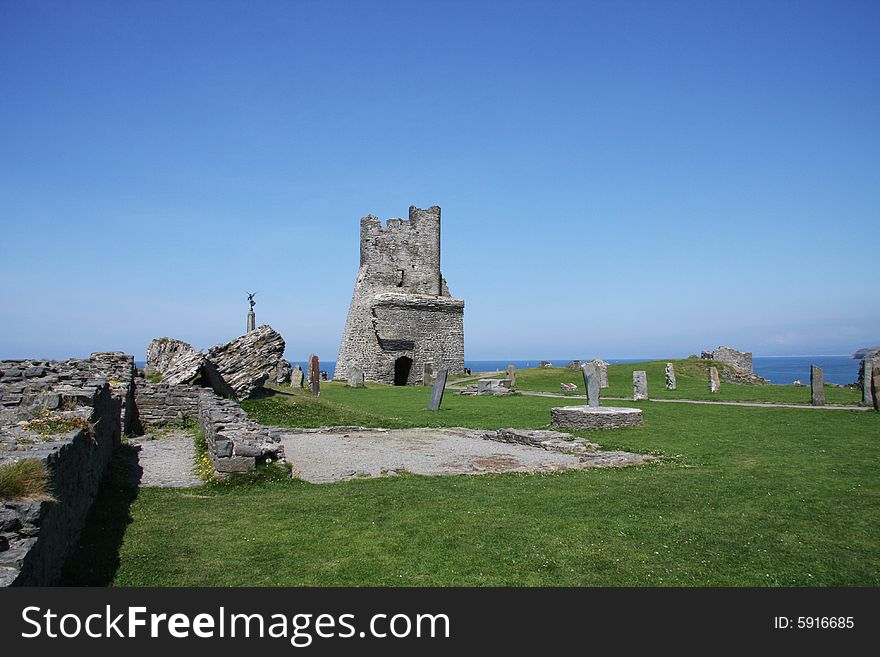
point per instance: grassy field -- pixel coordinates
(742, 497)
(692, 383)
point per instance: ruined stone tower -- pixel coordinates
(402, 315)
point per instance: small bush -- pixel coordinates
(25, 479)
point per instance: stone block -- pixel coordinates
(640, 385)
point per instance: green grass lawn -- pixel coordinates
(742, 497)
(692, 383)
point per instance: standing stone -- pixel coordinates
(296, 377)
(437, 390)
(875, 386)
(511, 375)
(313, 370)
(866, 376)
(428, 374)
(355, 377)
(251, 322)
(282, 372)
(591, 383)
(817, 386)
(670, 376)
(640, 385)
(602, 368)
(714, 380)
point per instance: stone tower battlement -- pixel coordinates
(402, 318)
(404, 254)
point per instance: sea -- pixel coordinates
(776, 369)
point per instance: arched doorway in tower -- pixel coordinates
(402, 366)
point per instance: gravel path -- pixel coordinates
(167, 460)
(335, 455)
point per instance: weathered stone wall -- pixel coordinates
(160, 404)
(401, 307)
(234, 442)
(36, 537)
(20, 380)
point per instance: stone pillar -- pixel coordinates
(437, 390)
(875, 386)
(592, 383)
(602, 368)
(867, 373)
(640, 385)
(313, 374)
(670, 376)
(817, 386)
(252, 322)
(511, 374)
(714, 380)
(297, 377)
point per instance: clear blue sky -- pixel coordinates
(618, 179)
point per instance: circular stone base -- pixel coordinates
(595, 417)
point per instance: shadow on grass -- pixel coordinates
(95, 560)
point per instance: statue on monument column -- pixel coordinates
(252, 318)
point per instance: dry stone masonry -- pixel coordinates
(234, 442)
(402, 314)
(599, 417)
(67, 415)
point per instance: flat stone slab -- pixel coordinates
(327, 456)
(595, 417)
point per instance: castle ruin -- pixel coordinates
(402, 316)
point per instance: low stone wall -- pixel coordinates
(160, 404)
(234, 442)
(36, 537)
(592, 417)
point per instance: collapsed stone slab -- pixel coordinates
(184, 368)
(163, 353)
(244, 364)
(590, 417)
(236, 369)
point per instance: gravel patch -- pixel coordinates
(167, 460)
(340, 454)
